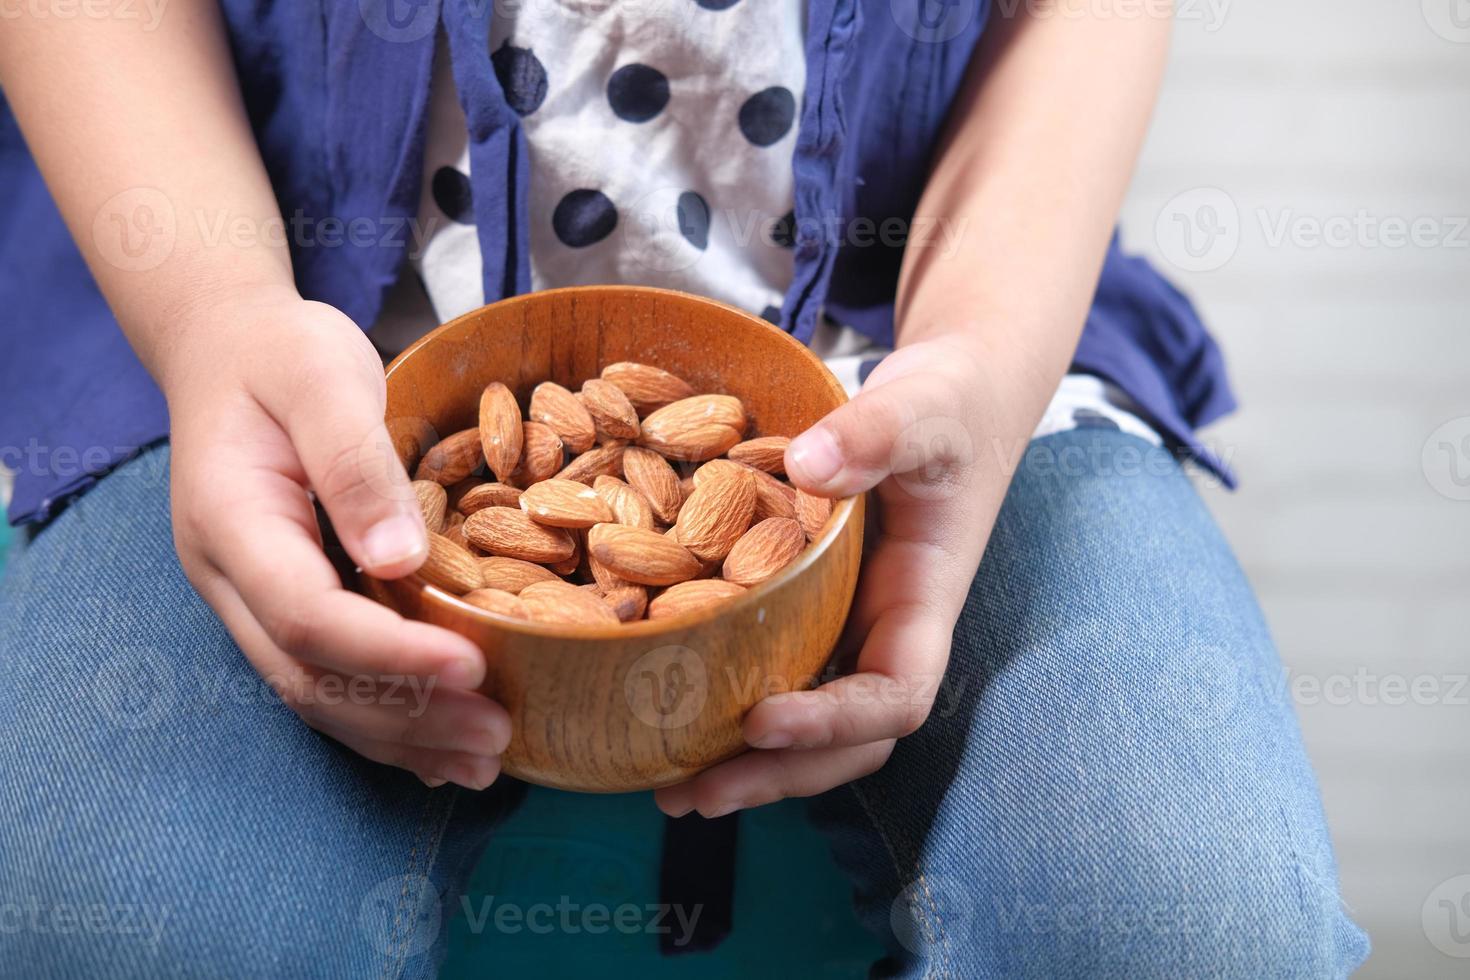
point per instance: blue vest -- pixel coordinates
(337, 93)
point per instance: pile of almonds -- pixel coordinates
(634, 497)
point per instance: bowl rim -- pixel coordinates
(837, 521)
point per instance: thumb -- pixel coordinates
(910, 423)
(350, 462)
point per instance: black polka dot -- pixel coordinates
(452, 193)
(694, 219)
(772, 314)
(637, 93)
(522, 76)
(783, 232)
(717, 4)
(1086, 418)
(767, 115)
(584, 217)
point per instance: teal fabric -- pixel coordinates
(585, 853)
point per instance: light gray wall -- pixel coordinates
(1347, 358)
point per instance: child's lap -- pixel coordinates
(1110, 731)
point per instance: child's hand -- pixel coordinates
(267, 400)
(908, 435)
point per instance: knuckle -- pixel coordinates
(295, 632)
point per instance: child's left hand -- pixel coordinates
(912, 433)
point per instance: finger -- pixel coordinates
(470, 771)
(884, 430)
(758, 778)
(334, 419)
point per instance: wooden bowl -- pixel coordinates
(647, 703)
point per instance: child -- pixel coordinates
(1067, 763)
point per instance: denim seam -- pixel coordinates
(934, 921)
(397, 959)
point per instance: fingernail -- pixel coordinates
(462, 673)
(815, 453)
(774, 740)
(716, 812)
(433, 782)
(466, 775)
(679, 811)
(392, 540)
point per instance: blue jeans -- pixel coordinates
(1111, 785)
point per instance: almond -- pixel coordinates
(716, 467)
(512, 574)
(697, 428)
(628, 506)
(628, 602)
(559, 409)
(689, 596)
(565, 503)
(612, 414)
(646, 387)
(542, 456)
(452, 458)
(488, 495)
(562, 602)
(449, 566)
(500, 430)
(651, 475)
(454, 531)
(772, 497)
(640, 555)
(763, 551)
(717, 513)
(602, 461)
(768, 453)
(605, 578)
(812, 512)
(511, 532)
(432, 503)
(496, 601)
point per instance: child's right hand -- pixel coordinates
(268, 399)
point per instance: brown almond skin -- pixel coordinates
(452, 458)
(646, 387)
(565, 503)
(628, 602)
(651, 475)
(512, 574)
(767, 453)
(812, 513)
(641, 556)
(510, 532)
(488, 495)
(497, 601)
(717, 513)
(763, 551)
(587, 467)
(772, 497)
(555, 406)
(432, 503)
(562, 602)
(450, 567)
(689, 596)
(500, 430)
(613, 416)
(628, 506)
(697, 428)
(542, 456)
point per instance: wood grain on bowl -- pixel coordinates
(622, 706)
